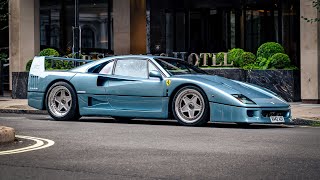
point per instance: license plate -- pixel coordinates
(277, 119)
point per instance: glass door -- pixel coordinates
(83, 26)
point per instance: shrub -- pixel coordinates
(263, 63)
(279, 61)
(247, 58)
(251, 66)
(260, 60)
(28, 65)
(235, 56)
(49, 52)
(3, 57)
(268, 49)
(220, 58)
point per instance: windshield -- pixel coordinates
(176, 67)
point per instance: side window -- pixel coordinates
(107, 69)
(133, 68)
(152, 67)
(99, 67)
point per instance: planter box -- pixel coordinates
(285, 83)
(19, 85)
(230, 73)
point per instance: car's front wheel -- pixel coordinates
(190, 106)
(61, 102)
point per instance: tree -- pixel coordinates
(4, 14)
(315, 4)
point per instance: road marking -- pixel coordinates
(41, 143)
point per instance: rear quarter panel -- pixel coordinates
(39, 84)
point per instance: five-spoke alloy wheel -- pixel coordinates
(61, 102)
(190, 106)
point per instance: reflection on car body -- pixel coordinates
(151, 87)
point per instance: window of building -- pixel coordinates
(87, 38)
(202, 26)
(57, 19)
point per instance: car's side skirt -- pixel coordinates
(90, 105)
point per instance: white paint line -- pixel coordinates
(40, 144)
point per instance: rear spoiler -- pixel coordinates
(38, 65)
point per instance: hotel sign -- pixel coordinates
(202, 59)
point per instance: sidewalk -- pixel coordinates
(9, 105)
(299, 110)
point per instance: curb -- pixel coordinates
(7, 134)
(306, 122)
(21, 111)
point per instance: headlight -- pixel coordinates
(243, 99)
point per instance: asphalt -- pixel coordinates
(99, 148)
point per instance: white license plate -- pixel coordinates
(277, 119)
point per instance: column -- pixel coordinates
(121, 26)
(24, 34)
(138, 27)
(310, 45)
(103, 31)
(129, 23)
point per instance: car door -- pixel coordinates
(131, 89)
(91, 89)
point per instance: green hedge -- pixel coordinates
(235, 56)
(220, 58)
(49, 52)
(247, 58)
(268, 49)
(45, 52)
(280, 61)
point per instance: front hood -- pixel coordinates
(261, 96)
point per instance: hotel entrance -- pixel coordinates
(217, 26)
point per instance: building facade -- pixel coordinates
(168, 26)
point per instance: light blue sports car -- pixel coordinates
(129, 87)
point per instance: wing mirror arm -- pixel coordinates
(156, 74)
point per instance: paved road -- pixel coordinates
(99, 148)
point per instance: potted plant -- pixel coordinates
(20, 79)
(271, 68)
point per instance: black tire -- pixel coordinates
(201, 117)
(72, 113)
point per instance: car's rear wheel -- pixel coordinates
(61, 102)
(190, 106)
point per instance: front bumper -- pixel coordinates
(227, 113)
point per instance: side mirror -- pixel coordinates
(155, 74)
